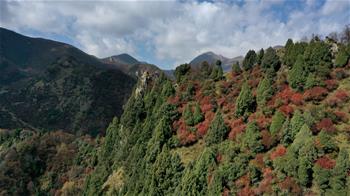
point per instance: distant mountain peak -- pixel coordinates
(123, 58)
(212, 57)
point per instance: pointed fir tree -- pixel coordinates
(277, 122)
(188, 115)
(166, 173)
(297, 75)
(338, 181)
(296, 123)
(260, 56)
(251, 138)
(245, 103)
(270, 60)
(307, 155)
(250, 60)
(217, 130)
(264, 91)
(198, 115)
(236, 69)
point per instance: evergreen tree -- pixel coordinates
(181, 71)
(343, 56)
(270, 60)
(111, 138)
(245, 103)
(168, 89)
(215, 185)
(326, 142)
(195, 179)
(321, 177)
(311, 81)
(307, 154)
(339, 177)
(205, 69)
(318, 58)
(277, 122)
(188, 115)
(296, 123)
(265, 91)
(236, 68)
(286, 133)
(198, 115)
(302, 137)
(297, 75)
(217, 130)
(252, 138)
(166, 173)
(250, 60)
(260, 56)
(292, 51)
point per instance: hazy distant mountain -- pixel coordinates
(130, 65)
(122, 61)
(51, 85)
(211, 58)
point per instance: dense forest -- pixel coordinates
(276, 124)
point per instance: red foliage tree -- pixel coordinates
(265, 184)
(267, 139)
(297, 99)
(287, 110)
(342, 95)
(341, 116)
(279, 151)
(174, 100)
(285, 95)
(316, 93)
(331, 84)
(326, 162)
(290, 186)
(203, 127)
(325, 124)
(237, 127)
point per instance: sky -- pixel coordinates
(169, 33)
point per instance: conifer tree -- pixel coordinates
(166, 173)
(317, 57)
(338, 181)
(296, 123)
(277, 122)
(195, 179)
(206, 69)
(270, 60)
(188, 115)
(297, 75)
(250, 60)
(311, 81)
(260, 56)
(245, 103)
(321, 177)
(307, 154)
(236, 68)
(252, 138)
(265, 91)
(198, 115)
(343, 56)
(217, 130)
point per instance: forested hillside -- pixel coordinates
(49, 85)
(276, 125)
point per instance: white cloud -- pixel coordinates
(174, 31)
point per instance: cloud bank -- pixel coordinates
(172, 32)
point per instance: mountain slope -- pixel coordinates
(51, 85)
(211, 58)
(130, 65)
(124, 59)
